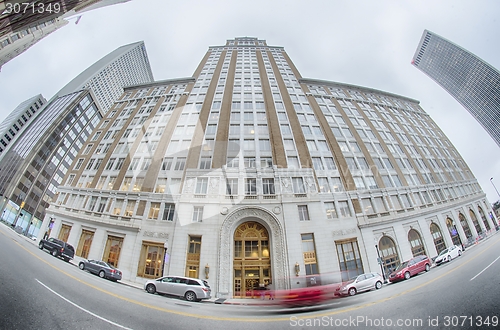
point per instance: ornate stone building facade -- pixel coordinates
(246, 173)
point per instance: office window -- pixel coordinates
(180, 163)
(324, 186)
(250, 186)
(331, 212)
(303, 213)
(84, 243)
(197, 213)
(309, 254)
(249, 162)
(317, 163)
(349, 259)
(119, 164)
(367, 206)
(344, 210)
(166, 164)
(268, 186)
(79, 164)
(205, 163)
(298, 186)
(232, 186)
(154, 211)
(151, 260)
(193, 257)
(330, 164)
(168, 212)
(201, 185)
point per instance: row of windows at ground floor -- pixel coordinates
(251, 255)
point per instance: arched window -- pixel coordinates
(475, 222)
(438, 238)
(452, 229)
(465, 225)
(485, 221)
(389, 254)
(417, 246)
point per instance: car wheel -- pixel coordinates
(40, 246)
(54, 253)
(378, 285)
(81, 266)
(102, 274)
(448, 259)
(427, 267)
(190, 296)
(66, 259)
(407, 275)
(150, 288)
(351, 291)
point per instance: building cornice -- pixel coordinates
(365, 89)
(162, 83)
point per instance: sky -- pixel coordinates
(365, 43)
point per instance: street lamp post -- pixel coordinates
(491, 180)
(380, 262)
(165, 249)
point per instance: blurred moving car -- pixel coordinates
(101, 268)
(448, 254)
(192, 289)
(308, 296)
(360, 283)
(411, 267)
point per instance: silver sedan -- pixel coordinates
(363, 282)
(101, 268)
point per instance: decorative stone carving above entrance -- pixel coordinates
(277, 241)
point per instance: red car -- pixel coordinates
(411, 267)
(308, 296)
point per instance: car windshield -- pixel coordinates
(443, 252)
(403, 265)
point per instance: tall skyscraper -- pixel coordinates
(35, 164)
(125, 66)
(24, 178)
(16, 43)
(250, 174)
(474, 83)
(24, 23)
(15, 123)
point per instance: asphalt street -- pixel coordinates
(39, 291)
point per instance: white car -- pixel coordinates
(192, 289)
(363, 282)
(448, 254)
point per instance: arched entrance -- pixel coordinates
(278, 253)
(251, 262)
(417, 246)
(438, 238)
(455, 238)
(475, 222)
(485, 221)
(465, 225)
(389, 254)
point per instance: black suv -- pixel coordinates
(58, 248)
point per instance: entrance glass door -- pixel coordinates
(251, 260)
